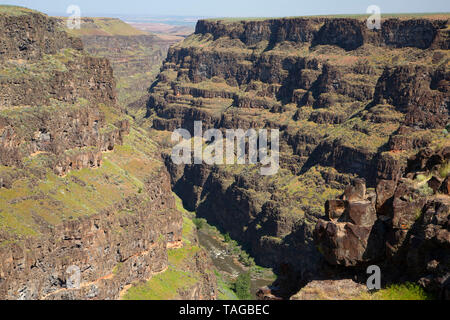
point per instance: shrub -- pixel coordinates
(242, 286)
(421, 178)
(199, 223)
(426, 191)
(444, 170)
(227, 238)
(418, 214)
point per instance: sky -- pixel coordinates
(230, 8)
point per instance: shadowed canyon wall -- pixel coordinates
(351, 103)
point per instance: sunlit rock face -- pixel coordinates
(351, 103)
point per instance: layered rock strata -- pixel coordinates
(351, 103)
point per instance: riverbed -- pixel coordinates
(226, 263)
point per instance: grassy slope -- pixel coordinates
(40, 69)
(34, 200)
(404, 291)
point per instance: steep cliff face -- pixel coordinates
(50, 98)
(350, 102)
(86, 207)
(62, 77)
(419, 92)
(41, 62)
(189, 274)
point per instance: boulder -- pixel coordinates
(434, 183)
(362, 213)
(334, 209)
(445, 187)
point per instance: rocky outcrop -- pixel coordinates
(340, 289)
(351, 237)
(411, 233)
(419, 92)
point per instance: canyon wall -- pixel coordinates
(403, 226)
(84, 194)
(351, 103)
(346, 33)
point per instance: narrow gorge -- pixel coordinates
(83, 190)
(87, 182)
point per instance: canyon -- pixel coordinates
(86, 175)
(82, 188)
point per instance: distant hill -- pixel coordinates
(83, 190)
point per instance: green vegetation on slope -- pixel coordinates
(404, 291)
(105, 27)
(39, 198)
(225, 288)
(44, 68)
(163, 286)
(229, 286)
